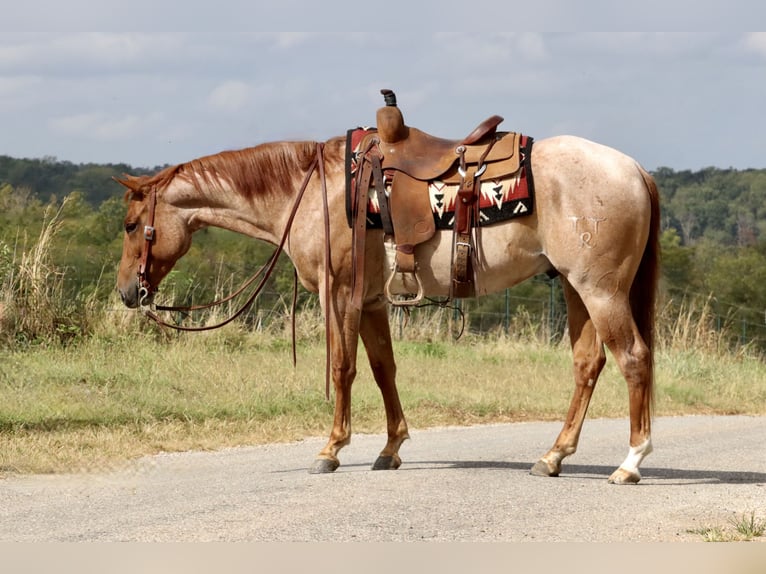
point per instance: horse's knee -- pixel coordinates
(343, 375)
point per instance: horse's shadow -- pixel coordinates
(663, 476)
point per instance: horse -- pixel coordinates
(594, 224)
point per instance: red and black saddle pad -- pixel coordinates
(500, 199)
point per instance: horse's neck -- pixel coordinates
(230, 211)
(214, 202)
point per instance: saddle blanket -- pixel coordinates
(501, 199)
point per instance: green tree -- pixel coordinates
(677, 262)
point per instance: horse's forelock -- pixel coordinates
(130, 195)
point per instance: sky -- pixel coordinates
(683, 100)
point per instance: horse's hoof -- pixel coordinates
(324, 466)
(387, 463)
(543, 468)
(622, 476)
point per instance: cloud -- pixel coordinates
(291, 39)
(489, 50)
(98, 126)
(231, 96)
(165, 97)
(756, 42)
(532, 45)
(93, 52)
(17, 86)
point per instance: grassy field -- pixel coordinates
(95, 403)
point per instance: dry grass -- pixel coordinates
(32, 307)
(129, 393)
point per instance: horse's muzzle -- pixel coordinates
(133, 296)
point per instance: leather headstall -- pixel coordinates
(145, 287)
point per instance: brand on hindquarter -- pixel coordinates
(586, 228)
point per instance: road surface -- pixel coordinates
(455, 484)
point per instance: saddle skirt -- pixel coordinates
(502, 196)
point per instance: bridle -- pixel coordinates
(145, 288)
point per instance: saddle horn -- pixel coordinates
(389, 96)
(390, 120)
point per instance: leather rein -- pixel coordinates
(146, 288)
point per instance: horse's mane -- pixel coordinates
(266, 168)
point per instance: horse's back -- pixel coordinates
(577, 161)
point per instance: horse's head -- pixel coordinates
(155, 237)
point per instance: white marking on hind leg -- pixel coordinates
(636, 455)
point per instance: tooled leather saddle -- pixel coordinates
(398, 163)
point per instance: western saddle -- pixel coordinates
(410, 159)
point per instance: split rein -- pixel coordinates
(145, 288)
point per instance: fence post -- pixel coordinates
(551, 310)
(744, 331)
(507, 318)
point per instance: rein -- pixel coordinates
(145, 287)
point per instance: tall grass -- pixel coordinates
(31, 307)
(690, 325)
(35, 307)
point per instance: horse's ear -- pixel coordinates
(127, 180)
(133, 185)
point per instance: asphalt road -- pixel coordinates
(466, 484)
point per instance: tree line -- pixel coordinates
(713, 240)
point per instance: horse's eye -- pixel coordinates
(130, 227)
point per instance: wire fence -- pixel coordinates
(542, 316)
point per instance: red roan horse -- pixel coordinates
(594, 223)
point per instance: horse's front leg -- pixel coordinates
(344, 338)
(376, 336)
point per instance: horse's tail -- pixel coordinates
(643, 292)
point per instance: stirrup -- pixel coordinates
(403, 302)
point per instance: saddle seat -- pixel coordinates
(426, 157)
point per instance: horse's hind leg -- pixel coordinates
(589, 360)
(376, 336)
(615, 324)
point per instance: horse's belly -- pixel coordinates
(496, 266)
